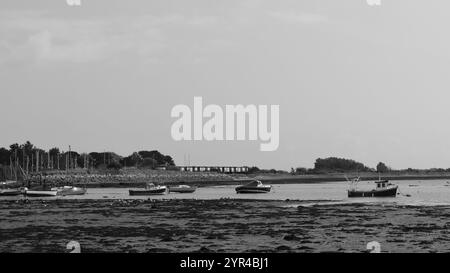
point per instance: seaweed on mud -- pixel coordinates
(174, 225)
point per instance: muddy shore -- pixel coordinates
(224, 225)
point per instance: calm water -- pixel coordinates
(423, 193)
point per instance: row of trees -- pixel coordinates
(341, 165)
(31, 158)
(335, 164)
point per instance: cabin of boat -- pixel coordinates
(383, 189)
(255, 186)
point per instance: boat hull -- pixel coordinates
(160, 191)
(391, 192)
(71, 191)
(41, 193)
(244, 189)
(10, 192)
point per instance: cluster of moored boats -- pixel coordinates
(152, 189)
(56, 191)
(383, 189)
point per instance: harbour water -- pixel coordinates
(411, 192)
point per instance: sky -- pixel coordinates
(370, 83)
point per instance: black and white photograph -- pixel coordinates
(244, 127)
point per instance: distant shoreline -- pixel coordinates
(274, 179)
(209, 179)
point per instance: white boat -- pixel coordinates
(182, 189)
(31, 193)
(69, 190)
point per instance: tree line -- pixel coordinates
(31, 158)
(342, 165)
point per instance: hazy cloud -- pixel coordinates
(298, 17)
(35, 37)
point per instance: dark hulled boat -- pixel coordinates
(10, 192)
(150, 189)
(254, 187)
(383, 189)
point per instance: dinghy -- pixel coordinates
(40, 193)
(69, 190)
(182, 189)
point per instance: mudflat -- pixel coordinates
(223, 225)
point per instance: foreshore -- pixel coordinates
(222, 225)
(138, 178)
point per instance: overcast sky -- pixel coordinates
(354, 81)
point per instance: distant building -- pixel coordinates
(219, 169)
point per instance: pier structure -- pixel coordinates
(220, 169)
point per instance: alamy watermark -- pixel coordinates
(73, 2)
(373, 2)
(228, 125)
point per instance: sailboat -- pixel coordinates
(13, 191)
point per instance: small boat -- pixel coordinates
(150, 189)
(383, 189)
(253, 187)
(182, 189)
(10, 192)
(69, 190)
(40, 193)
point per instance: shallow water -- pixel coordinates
(412, 192)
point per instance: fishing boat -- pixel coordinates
(150, 189)
(255, 186)
(69, 190)
(10, 192)
(383, 189)
(182, 189)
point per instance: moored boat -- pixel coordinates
(383, 189)
(10, 192)
(255, 186)
(150, 189)
(40, 193)
(182, 189)
(69, 190)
